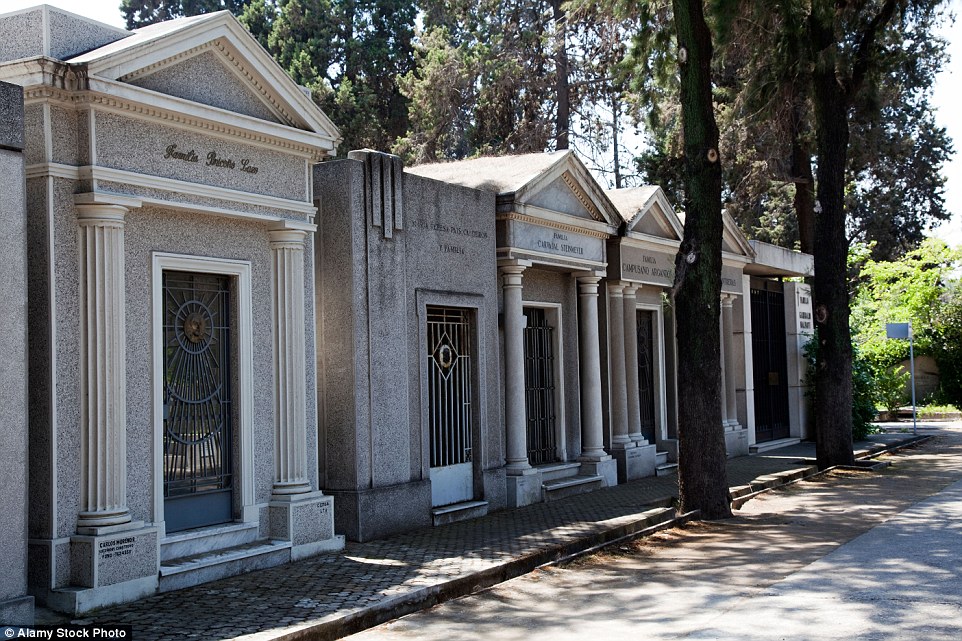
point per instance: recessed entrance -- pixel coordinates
(646, 372)
(769, 361)
(197, 429)
(450, 406)
(539, 384)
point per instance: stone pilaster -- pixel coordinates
(515, 418)
(631, 364)
(290, 396)
(728, 362)
(616, 344)
(103, 385)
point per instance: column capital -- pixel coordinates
(727, 300)
(511, 274)
(283, 237)
(101, 215)
(616, 288)
(631, 290)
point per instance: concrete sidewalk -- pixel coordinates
(333, 595)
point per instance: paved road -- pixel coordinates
(853, 555)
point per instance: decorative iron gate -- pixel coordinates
(198, 475)
(646, 373)
(769, 360)
(449, 385)
(539, 387)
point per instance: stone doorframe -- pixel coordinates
(240, 270)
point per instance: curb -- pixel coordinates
(659, 516)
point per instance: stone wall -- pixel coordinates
(15, 607)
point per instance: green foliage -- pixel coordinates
(864, 385)
(923, 288)
(890, 385)
(140, 13)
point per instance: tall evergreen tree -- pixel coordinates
(702, 475)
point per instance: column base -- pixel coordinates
(635, 462)
(307, 521)
(117, 565)
(605, 467)
(523, 489)
(736, 442)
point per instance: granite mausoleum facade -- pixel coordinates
(172, 382)
(240, 354)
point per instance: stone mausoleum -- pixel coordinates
(172, 386)
(224, 353)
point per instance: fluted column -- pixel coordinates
(103, 370)
(631, 365)
(616, 351)
(290, 383)
(592, 443)
(728, 336)
(515, 417)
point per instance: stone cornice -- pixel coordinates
(541, 222)
(95, 99)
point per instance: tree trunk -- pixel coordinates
(702, 475)
(804, 183)
(833, 371)
(563, 118)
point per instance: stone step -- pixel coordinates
(758, 448)
(209, 566)
(555, 471)
(459, 512)
(661, 458)
(207, 539)
(570, 486)
(665, 469)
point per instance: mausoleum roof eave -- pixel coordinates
(774, 261)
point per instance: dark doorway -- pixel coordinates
(539, 387)
(646, 373)
(769, 360)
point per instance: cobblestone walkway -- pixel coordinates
(365, 577)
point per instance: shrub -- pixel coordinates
(863, 388)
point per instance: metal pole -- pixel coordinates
(915, 429)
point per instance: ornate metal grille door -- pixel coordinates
(449, 385)
(646, 373)
(539, 387)
(197, 400)
(769, 361)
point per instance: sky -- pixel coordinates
(946, 96)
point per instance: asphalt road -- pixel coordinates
(849, 555)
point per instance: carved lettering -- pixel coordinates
(451, 249)
(246, 165)
(172, 153)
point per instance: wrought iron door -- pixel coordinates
(769, 361)
(197, 400)
(449, 385)
(646, 373)
(539, 387)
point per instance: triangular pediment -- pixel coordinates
(568, 188)
(733, 241)
(211, 60)
(210, 78)
(647, 211)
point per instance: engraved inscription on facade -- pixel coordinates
(116, 548)
(212, 159)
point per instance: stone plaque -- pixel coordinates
(804, 312)
(548, 240)
(731, 280)
(647, 266)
